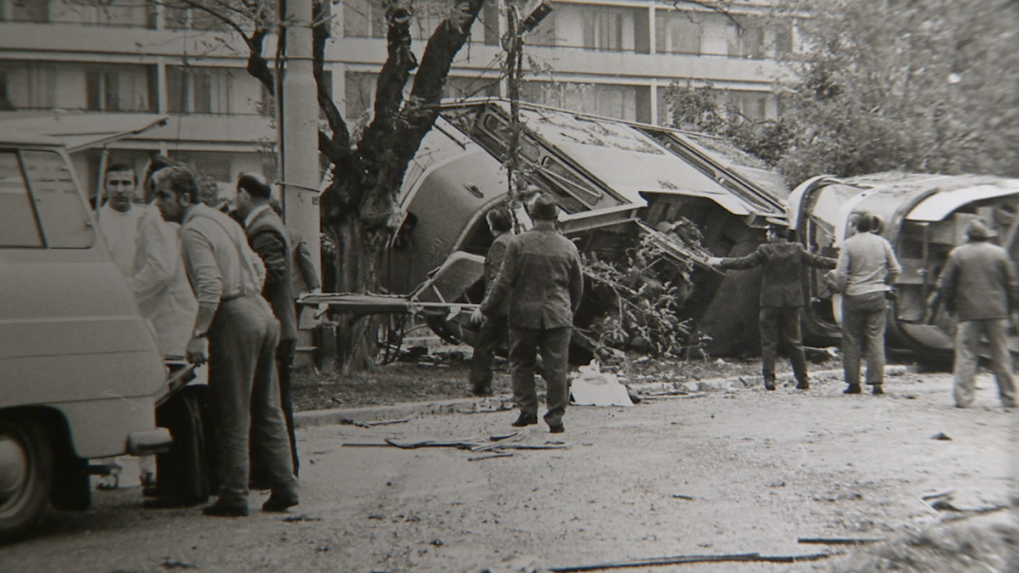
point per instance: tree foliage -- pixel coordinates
(913, 85)
(916, 85)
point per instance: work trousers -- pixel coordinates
(776, 323)
(864, 318)
(246, 396)
(967, 340)
(554, 345)
(285, 353)
(493, 332)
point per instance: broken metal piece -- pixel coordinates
(680, 559)
(838, 540)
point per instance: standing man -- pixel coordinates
(781, 297)
(979, 286)
(268, 238)
(119, 218)
(236, 332)
(495, 329)
(541, 278)
(865, 274)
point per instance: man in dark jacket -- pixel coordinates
(979, 286)
(269, 239)
(495, 328)
(542, 280)
(781, 297)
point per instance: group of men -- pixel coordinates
(978, 284)
(218, 290)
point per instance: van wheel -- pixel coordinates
(26, 472)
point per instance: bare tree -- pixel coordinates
(359, 207)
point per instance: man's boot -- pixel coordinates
(853, 389)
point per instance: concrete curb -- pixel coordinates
(504, 402)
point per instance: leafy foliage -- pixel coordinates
(913, 85)
(702, 109)
(648, 290)
(916, 85)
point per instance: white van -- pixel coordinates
(80, 371)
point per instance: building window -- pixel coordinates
(184, 18)
(359, 95)
(29, 85)
(119, 88)
(367, 19)
(753, 105)
(607, 28)
(214, 91)
(677, 33)
(5, 98)
(467, 87)
(607, 100)
(37, 11)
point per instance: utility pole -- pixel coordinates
(298, 127)
(515, 56)
(513, 43)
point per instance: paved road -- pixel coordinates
(729, 472)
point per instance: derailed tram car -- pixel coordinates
(617, 182)
(923, 217)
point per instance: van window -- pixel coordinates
(65, 222)
(18, 225)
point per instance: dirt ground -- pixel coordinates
(443, 376)
(721, 472)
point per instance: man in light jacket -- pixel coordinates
(865, 274)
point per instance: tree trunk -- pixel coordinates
(356, 263)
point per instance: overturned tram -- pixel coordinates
(617, 182)
(923, 216)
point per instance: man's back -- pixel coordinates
(544, 279)
(268, 237)
(865, 262)
(978, 281)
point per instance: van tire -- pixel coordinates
(24, 492)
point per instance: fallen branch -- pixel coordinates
(387, 422)
(490, 456)
(838, 540)
(680, 559)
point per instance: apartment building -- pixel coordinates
(614, 58)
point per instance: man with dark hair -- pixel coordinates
(268, 238)
(118, 218)
(542, 280)
(865, 274)
(495, 329)
(781, 299)
(236, 333)
(979, 286)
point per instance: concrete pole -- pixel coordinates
(298, 128)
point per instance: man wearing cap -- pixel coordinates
(781, 297)
(542, 281)
(979, 286)
(865, 274)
